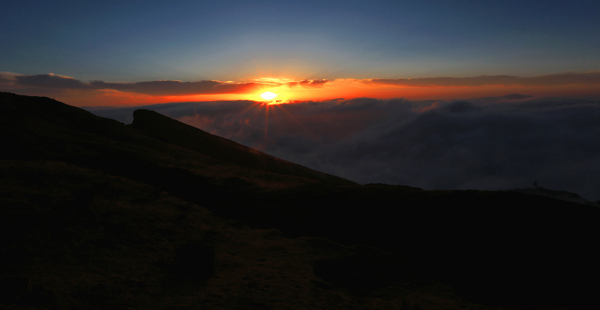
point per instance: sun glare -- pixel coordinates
(268, 95)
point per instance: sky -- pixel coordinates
(438, 94)
(90, 53)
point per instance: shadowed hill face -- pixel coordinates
(42, 128)
(189, 137)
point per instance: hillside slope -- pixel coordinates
(42, 128)
(169, 130)
(77, 238)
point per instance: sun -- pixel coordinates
(268, 95)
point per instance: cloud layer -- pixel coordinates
(489, 143)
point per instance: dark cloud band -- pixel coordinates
(176, 88)
(590, 78)
(50, 81)
(154, 88)
(180, 88)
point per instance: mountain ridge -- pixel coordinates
(177, 133)
(103, 139)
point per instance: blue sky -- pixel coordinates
(236, 40)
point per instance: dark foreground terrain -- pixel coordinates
(96, 214)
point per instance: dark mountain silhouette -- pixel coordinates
(192, 138)
(161, 215)
(58, 131)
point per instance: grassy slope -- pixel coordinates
(83, 239)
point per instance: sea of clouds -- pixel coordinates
(491, 143)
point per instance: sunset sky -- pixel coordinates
(110, 53)
(437, 94)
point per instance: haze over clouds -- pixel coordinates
(487, 143)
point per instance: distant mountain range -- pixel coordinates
(97, 214)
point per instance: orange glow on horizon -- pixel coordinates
(276, 91)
